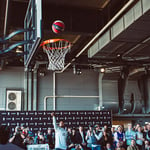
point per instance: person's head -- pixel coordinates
(97, 127)
(148, 127)
(120, 128)
(137, 125)
(105, 127)
(22, 127)
(61, 124)
(108, 145)
(90, 128)
(113, 129)
(73, 131)
(145, 127)
(118, 145)
(49, 130)
(139, 129)
(4, 134)
(18, 130)
(129, 126)
(69, 130)
(146, 142)
(133, 143)
(39, 133)
(80, 128)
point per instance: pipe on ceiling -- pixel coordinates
(6, 18)
(5, 21)
(126, 6)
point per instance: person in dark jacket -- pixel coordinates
(4, 137)
(80, 137)
(49, 138)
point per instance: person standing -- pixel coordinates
(60, 134)
(129, 135)
(98, 134)
(140, 138)
(119, 136)
(49, 138)
(81, 138)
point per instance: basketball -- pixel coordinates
(58, 26)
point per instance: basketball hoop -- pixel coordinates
(56, 50)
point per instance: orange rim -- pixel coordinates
(53, 41)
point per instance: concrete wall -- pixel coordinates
(67, 83)
(11, 78)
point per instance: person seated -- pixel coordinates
(4, 137)
(108, 147)
(146, 145)
(119, 146)
(133, 145)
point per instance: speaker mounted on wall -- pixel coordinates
(13, 100)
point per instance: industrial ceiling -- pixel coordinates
(106, 34)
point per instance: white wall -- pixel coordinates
(10, 78)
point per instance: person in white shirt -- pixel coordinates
(60, 134)
(4, 137)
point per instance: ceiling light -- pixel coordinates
(76, 70)
(20, 46)
(19, 50)
(102, 70)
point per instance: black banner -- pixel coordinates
(41, 120)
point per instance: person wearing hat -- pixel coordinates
(98, 134)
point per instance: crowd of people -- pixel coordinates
(94, 138)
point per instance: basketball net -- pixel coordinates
(56, 50)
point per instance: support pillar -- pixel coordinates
(25, 103)
(35, 90)
(100, 79)
(30, 91)
(124, 100)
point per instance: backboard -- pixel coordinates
(33, 22)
